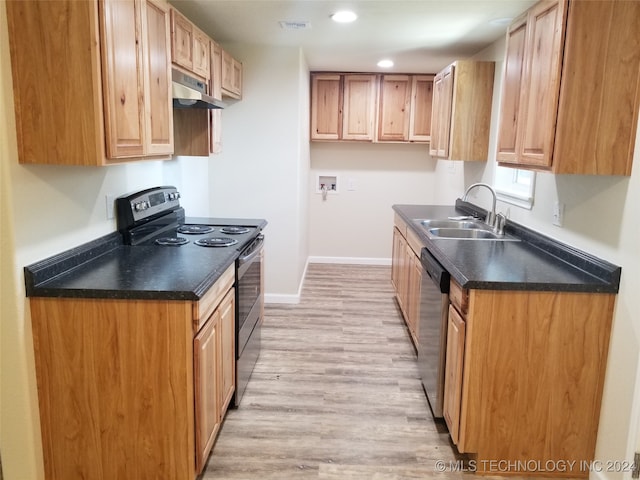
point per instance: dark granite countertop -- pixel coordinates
(105, 268)
(535, 262)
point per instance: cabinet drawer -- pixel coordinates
(414, 242)
(458, 296)
(203, 309)
(400, 224)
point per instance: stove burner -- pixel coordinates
(194, 229)
(171, 241)
(216, 242)
(234, 230)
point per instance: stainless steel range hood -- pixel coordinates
(189, 92)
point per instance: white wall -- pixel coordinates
(356, 225)
(263, 168)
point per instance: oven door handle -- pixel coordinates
(253, 249)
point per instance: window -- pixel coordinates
(515, 186)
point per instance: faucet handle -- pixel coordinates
(499, 223)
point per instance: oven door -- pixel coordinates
(249, 300)
(249, 280)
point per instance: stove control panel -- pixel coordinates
(138, 207)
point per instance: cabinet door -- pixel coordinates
(359, 98)
(181, 40)
(216, 71)
(157, 62)
(237, 78)
(215, 87)
(206, 351)
(413, 295)
(393, 108)
(227, 352)
(541, 86)
(511, 91)
(421, 108)
(123, 80)
(441, 118)
(453, 372)
(231, 76)
(201, 56)
(326, 107)
(396, 259)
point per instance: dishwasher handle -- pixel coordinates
(436, 272)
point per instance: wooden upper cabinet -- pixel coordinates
(370, 107)
(421, 108)
(107, 95)
(201, 56)
(571, 88)
(533, 61)
(231, 76)
(461, 118)
(326, 106)
(359, 107)
(511, 88)
(189, 46)
(124, 78)
(441, 113)
(158, 112)
(394, 108)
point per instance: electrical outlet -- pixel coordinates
(558, 214)
(352, 184)
(110, 204)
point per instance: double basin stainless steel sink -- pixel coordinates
(461, 229)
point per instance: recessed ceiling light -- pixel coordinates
(344, 16)
(385, 63)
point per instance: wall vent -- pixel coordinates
(294, 25)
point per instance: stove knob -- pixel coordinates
(137, 207)
(145, 205)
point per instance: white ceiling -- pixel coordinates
(420, 36)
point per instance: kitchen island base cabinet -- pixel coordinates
(532, 377)
(122, 392)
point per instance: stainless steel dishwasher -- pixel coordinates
(432, 332)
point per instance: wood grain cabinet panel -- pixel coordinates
(528, 368)
(453, 372)
(326, 106)
(107, 99)
(394, 108)
(571, 88)
(421, 108)
(133, 388)
(359, 107)
(231, 76)
(406, 277)
(461, 118)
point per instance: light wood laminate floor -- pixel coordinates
(336, 392)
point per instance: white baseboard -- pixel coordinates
(281, 298)
(351, 260)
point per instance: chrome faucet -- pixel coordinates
(491, 216)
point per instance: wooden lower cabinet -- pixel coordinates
(406, 277)
(214, 361)
(524, 377)
(118, 380)
(453, 372)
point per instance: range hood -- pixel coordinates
(189, 92)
